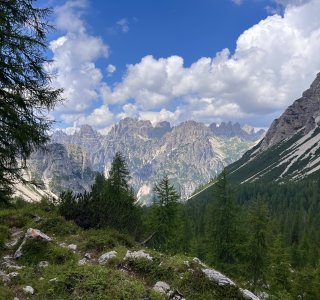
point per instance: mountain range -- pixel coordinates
(190, 153)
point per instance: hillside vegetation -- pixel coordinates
(71, 265)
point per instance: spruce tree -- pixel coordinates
(257, 248)
(222, 231)
(119, 174)
(165, 212)
(25, 92)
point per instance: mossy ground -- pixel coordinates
(64, 278)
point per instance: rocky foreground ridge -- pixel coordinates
(190, 153)
(43, 256)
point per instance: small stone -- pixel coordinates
(162, 287)
(36, 218)
(53, 279)
(249, 295)
(137, 254)
(28, 289)
(13, 274)
(43, 264)
(199, 262)
(63, 245)
(15, 298)
(87, 255)
(82, 262)
(72, 247)
(106, 256)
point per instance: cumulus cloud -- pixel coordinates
(74, 56)
(111, 69)
(274, 61)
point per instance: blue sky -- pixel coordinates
(207, 60)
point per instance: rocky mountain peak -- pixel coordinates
(301, 115)
(86, 129)
(235, 130)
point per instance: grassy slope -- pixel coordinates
(65, 279)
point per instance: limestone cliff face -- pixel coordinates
(301, 115)
(190, 153)
(60, 167)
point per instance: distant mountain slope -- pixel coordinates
(60, 167)
(191, 153)
(290, 149)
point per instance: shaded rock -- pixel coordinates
(31, 234)
(106, 256)
(164, 288)
(82, 262)
(199, 262)
(137, 254)
(15, 238)
(13, 274)
(63, 245)
(4, 277)
(43, 264)
(28, 289)
(87, 255)
(36, 218)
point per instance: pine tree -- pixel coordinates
(120, 199)
(222, 231)
(25, 92)
(165, 212)
(257, 248)
(119, 174)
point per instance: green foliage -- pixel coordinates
(4, 235)
(25, 91)
(36, 250)
(58, 225)
(163, 216)
(105, 240)
(257, 246)
(222, 226)
(111, 203)
(197, 286)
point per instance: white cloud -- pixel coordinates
(111, 69)
(74, 55)
(129, 110)
(162, 115)
(291, 2)
(274, 61)
(123, 24)
(101, 117)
